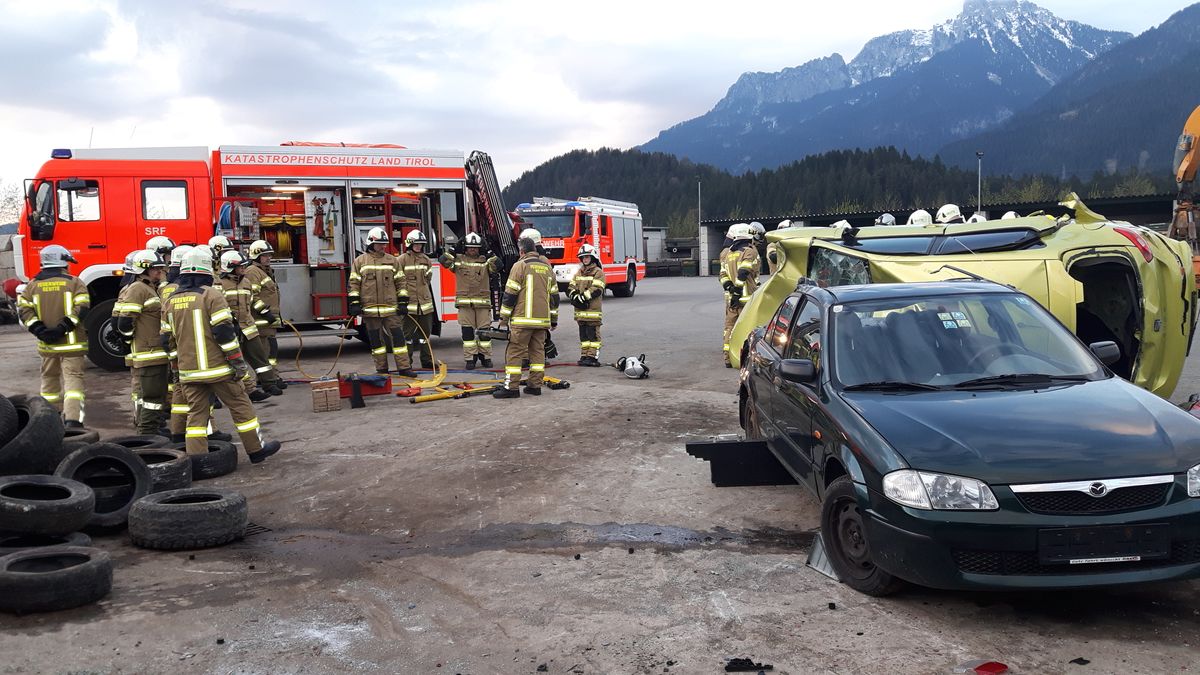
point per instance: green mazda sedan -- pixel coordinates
(960, 437)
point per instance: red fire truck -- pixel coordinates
(313, 202)
(613, 227)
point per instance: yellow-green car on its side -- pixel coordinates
(1104, 280)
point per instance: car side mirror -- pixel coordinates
(1108, 352)
(798, 370)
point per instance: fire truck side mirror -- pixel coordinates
(41, 212)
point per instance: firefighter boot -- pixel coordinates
(533, 391)
(503, 392)
(269, 448)
(487, 363)
(220, 436)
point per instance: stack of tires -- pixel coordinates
(57, 482)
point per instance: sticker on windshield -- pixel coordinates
(945, 316)
(950, 324)
(958, 316)
(963, 323)
(838, 308)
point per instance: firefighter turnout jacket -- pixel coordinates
(247, 309)
(472, 274)
(416, 271)
(588, 282)
(54, 297)
(531, 294)
(199, 333)
(264, 288)
(139, 319)
(376, 284)
(739, 272)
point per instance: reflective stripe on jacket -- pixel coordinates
(240, 299)
(376, 283)
(530, 294)
(262, 284)
(416, 270)
(589, 280)
(141, 303)
(50, 297)
(188, 320)
(742, 268)
(472, 276)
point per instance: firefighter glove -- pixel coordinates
(493, 260)
(735, 300)
(67, 325)
(38, 329)
(240, 367)
(446, 259)
(355, 308)
(728, 286)
(51, 334)
(270, 318)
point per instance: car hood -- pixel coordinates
(1102, 429)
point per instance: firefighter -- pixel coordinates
(138, 314)
(53, 307)
(177, 254)
(586, 291)
(416, 271)
(377, 294)
(161, 245)
(530, 306)
(201, 338)
(246, 313)
(472, 274)
(739, 277)
(218, 245)
(773, 257)
(262, 284)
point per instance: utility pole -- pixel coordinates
(702, 264)
(979, 186)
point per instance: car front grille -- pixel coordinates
(1116, 501)
(1025, 563)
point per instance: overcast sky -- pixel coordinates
(524, 81)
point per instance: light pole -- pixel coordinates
(702, 264)
(979, 184)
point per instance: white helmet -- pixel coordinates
(140, 262)
(56, 256)
(783, 225)
(473, 239)
(634, 367)
(231, 260)
(886, 219)
(977, 218)
(588, 250)
(260, 248)
(1009, 215)
(740, 232)
(219, 243)
(160, 245)
(415, 237)
(127, 268)
(531, 233)
(842, 225)
(920, 217)
(177, 254)
(376, 235)
(197, 261)
(757, 229)
(949, 213)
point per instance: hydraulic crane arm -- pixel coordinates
(1187, 161)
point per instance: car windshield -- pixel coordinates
(561, 225)
(986, 339)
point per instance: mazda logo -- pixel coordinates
(1097, 489)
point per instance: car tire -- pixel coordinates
(53, 578)
(169, 469)
(40, 434)
(187, 519)
(12, 543)
(81, 435)
(845, 537)
(753, 425)
(140, 441)
(9, 425)
(44, 505)
(106, 459)
(105, 347)
(221, 459)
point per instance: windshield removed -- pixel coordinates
(982, 341)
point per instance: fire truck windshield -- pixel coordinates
(551, 225)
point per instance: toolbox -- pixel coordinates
(371, 385)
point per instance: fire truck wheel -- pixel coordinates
(105, 348)
(627, 289)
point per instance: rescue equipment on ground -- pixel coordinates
(634, 367)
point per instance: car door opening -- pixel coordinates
(1109, 309)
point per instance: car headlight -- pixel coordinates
(1193, 476)
(924, 490)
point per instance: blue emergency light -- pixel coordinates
(524, 205)
(60, 153)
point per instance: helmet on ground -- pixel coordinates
(588, 250)
(140, 262)
(783, 225)
(177, 254)
(197, 261)
(977, 218)
(473, 239)
(531, 234)
(920, 217)
(260, 248)
(376, 235)
(160, 245)
(949, 213)
(231, 260)
(1009, 215)
(219, 243)
(886, 219)
(415, 237)
(634, 367)
(740, 232)
(757, 229)
(56, 256)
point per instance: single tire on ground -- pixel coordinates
(221, 459)
(46, 505)
(50, 579)
(39, 437)
(11, 543)
(9, 425)
(169, 469)
(140, 441)
(107, 465)
(191, 518)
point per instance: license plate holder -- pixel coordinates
(1104, 544)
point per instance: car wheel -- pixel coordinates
(845, 536)
(753, 423)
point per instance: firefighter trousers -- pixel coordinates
(233, 395)
(268, 335)
(152, 396)
(179, 410)
(471, 319)
(62, 384)
(589, 339)
(731, 317)
(525, 343)
(417, 330)
(255, 351)
(384, 335)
